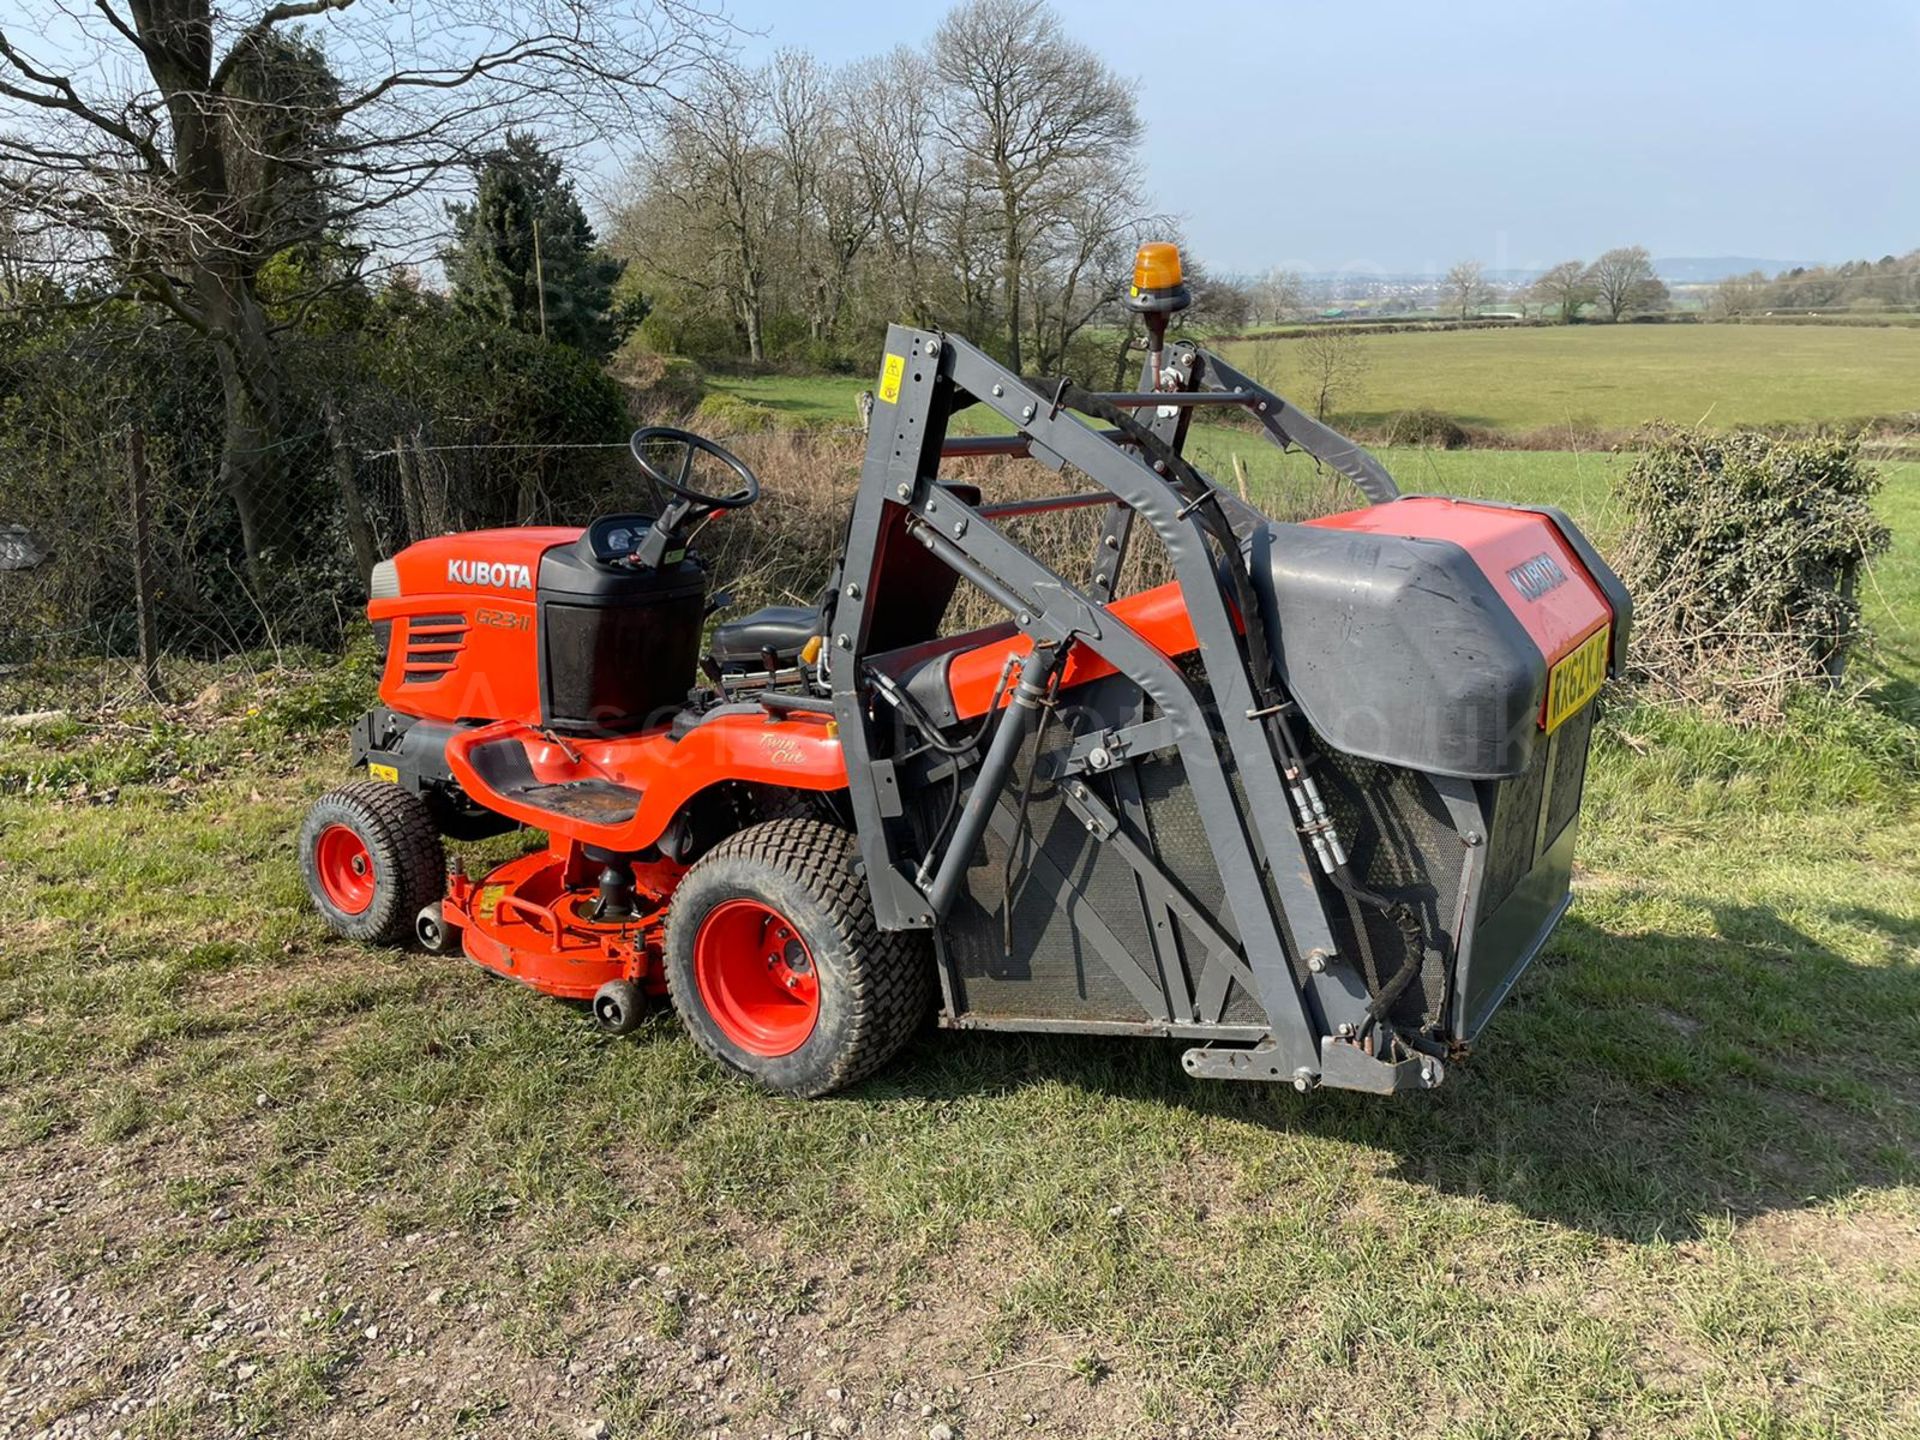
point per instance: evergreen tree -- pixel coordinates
(524, 254)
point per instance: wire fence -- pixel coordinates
(147, 515)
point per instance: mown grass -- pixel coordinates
(1675, 1193)
(1609, 377)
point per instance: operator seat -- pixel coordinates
(781, 631)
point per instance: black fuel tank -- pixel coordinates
(618, 646)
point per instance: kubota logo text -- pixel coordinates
(490, 572)
(1537, 576)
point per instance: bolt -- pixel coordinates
(959, 528)
(1093, 827)
(853, 592)
(903, 490)
(1473, 837)
(999, 390)
(1112, 542)
(1304, 1079)
(1345, 1032)
(845, 642)
(793, 982)
(1316, 960)
(1026, 412)
(1025, 618)
(1098, 757)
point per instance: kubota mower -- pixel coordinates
(1310, 806)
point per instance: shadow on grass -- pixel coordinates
(1640, 1086)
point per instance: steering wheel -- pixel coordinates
(748, 492)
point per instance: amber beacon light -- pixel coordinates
(1158, 285)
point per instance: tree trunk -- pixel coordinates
(353, 508)
(253, 462)
(1011, 280)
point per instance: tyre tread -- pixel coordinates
(891, 977)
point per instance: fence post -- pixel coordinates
(412, 503)
(143, 565)
(359, 532)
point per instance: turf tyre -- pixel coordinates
(875, 986)
(408, 864)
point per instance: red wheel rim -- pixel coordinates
(756, 977)
(345, 867)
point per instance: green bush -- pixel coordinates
(1426, 427)
(1743, 552)
(723, 414)
(658, 386)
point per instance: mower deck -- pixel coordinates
(525, 920)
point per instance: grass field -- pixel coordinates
(1621, 376)
(258, 1181)
(1599, 376)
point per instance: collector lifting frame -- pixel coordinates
(1262, 843)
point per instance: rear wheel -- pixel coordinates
(372, 860)
(778, 968)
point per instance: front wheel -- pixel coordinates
(372, 860)
(778, 968)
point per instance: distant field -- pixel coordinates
(1625, 375)
(1518, 380)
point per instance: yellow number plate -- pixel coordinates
(1577, 679)
(383, 772)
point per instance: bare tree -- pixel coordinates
(710, 211)
(1278, 295)
(1035, 117)
(1467, 287)
(831, 222)
(194, 143)
(1565, 286)
(1333, 361)
(1623, 282)
(1739, 295)
(888, 118)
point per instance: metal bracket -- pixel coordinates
(1102, 750)
(1346, 1066)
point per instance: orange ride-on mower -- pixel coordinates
(1310, 806)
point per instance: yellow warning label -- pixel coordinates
(489, 905)
(383, 772)
(890, 374)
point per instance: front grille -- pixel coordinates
(433, 646)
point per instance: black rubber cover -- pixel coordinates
(1400, 650)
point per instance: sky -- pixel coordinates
(1403, 137)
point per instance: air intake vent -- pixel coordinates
(434, 643)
